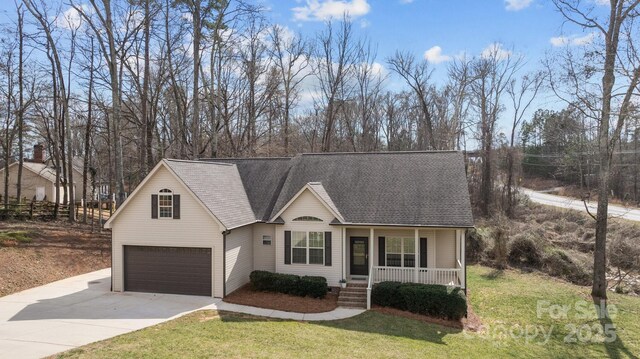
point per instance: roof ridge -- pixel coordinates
(377, 153)
(198, 161)
(243, 158)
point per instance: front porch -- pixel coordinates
(401, 254)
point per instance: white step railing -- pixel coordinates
(443, 276)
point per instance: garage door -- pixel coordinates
(175, 270)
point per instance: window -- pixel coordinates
(266, 240)
(308, 219)
(165, 204)
(307, 247)
(299, 247)
(316, 248)
(400, 252)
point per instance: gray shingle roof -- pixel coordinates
(219, 187)
(411, 188)
(395, 188)
(262, 179)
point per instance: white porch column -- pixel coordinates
(344, 253)
(416, 255)
(463, 257)
(371, 243)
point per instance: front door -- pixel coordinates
(359, 255)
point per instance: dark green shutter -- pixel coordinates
(381, 251)
(154, 206)
(287, 247)
(327, 248)
(423, 253)
(176, 206)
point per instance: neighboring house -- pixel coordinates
(201, 227)
(38, 179)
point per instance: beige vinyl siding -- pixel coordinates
(431, 235)
(264, 257)
(238, 257)
(196, 228)
(308, 205)
(446, 249)
(30, 181)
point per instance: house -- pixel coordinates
(38, 178)
(201, 227)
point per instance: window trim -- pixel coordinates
(266, 237)
(308, 247)
(402, 252)
(307, 219)
(165, 192)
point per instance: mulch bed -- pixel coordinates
(285, 302)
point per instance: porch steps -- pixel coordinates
(354, 295)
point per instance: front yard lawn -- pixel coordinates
(517, 310)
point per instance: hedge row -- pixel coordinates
(315, 287)
(428, 299)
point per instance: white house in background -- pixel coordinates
(201, 227)
(38, 179)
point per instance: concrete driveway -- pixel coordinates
(76, 311)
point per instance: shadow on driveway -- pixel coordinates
(98, 302)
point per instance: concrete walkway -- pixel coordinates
(338, 313)
(80, 310)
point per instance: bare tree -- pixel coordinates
(491, 74)
(417, 74)
(522, 93)
(46, 26)
(608, 101)
(335, 62)
(290, 54)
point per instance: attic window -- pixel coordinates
(307, 219)
(165, 203)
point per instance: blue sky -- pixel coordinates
(455, 26)
(438, 30)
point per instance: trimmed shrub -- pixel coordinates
(312, 286)
(289, 284)
(427, 299)
(524, 251)
(262, 280)
(387, 294)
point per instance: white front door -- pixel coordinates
(39, 193)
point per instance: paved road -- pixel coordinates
(632, 214)
(80, 310)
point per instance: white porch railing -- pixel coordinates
(443, 276)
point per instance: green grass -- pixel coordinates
(503, 300)
(18, 236)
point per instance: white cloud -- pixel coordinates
(517, 5)
(320, 10)
(573, 40)
(602, 2)
(71, 18)
(495, 50)
(364, 23)
(434, 55)
(406, 1)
